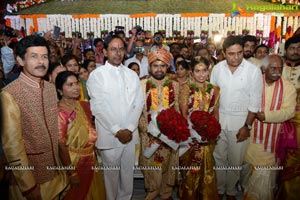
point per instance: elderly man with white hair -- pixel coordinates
(277, 105)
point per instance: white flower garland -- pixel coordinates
(295, 23)
(168, 22)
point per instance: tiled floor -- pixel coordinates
(139, 191)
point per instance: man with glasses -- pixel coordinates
(116, 102)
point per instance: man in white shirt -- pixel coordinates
(139, 58)
(240, 84)
(116, 102)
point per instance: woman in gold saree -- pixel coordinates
(198, 179)
(76, 132)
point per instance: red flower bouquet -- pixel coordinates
(205, 125)
(173, 125)
(169, 127)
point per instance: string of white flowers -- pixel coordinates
(284, 21)
(62, 23)
(96, 28)
(184, 24)
(48, 22)
(197, 26)
(17, 23)
(81, 25)
(221, 18)
(110, 26)
(13, 22)
(162, 19)
(68, 28)
(290, 22)
(113, 22)
(59, 22)
(251, 25)
(210, 23)
(87, 27)
(267, 25)
(105, 22)
(147, 23)
(117, 20)
(295, 23)
(167, 25)
(40, 24)
(173, 25)
(21, 24)
(168, 22)
(206, 23)
(229, 25)
(151, 28)
(239, 25)
(29, 23)
(159, 22)
(92, 25)
(216, 23)
(156, 24)
(101, 22)
(138, 22)
(225, 26)
(233, 23)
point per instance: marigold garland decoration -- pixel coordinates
(207, 97)
(168, 99)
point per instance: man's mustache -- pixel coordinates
(41, 67)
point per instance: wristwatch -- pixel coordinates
(248, 126)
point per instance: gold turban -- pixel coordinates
(160, 54)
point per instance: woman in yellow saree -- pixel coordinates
(76, 132)
(199, 181)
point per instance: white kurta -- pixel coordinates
(116, 102)
(240, 92)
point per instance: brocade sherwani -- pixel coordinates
(158, 182)
(30, 137)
